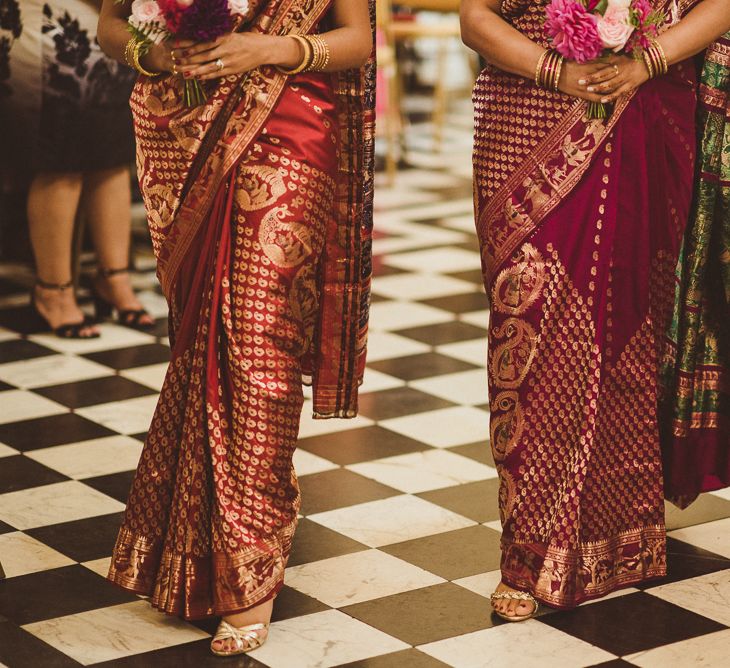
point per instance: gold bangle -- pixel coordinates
(538, 69)
(321, 51)
(135, 56)
(549, 68)
(659, 51)
(558, 71)
(649, 64)
(306, 60)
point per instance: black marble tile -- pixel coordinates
(91, 392)
(464, 303)
(49, 431)
(57, 592)
(129, 358)
(314, 542)
(140, 437)
(6, 528)
(361, 445)
(479, 451)
(23, 320)
(81, 540)
(424, 365)
(398, 402)
(407, 658)
(445, 332)
(18, 472)
(15, 350)
(6, 386)
(616, 663)
(631, 623)
(189, 655)
(339, 488)
(470, 275)
(475, 500)
(20, 649)
(292, 603)
(116, 485)
(686, 561)
(453, 554)
(434, 613)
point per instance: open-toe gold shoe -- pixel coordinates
(514, 596)
(245, 638)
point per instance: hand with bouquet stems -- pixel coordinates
(603, 80)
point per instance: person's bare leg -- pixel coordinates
(53, 200)
(261, 614)
(107, 199)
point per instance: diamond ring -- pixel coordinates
(219, 64)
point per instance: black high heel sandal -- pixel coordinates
(104, 309)
(68, 331)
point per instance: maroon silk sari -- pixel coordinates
(579, 223)
(259, 205)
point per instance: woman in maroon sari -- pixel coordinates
(579, 223)
(259, 205)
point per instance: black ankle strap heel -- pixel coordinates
(67, 331)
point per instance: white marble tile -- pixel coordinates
(423, 179)
(8, 335)
(495, 525)
(473, 351)
(400, 197)
(437, 260)
(707, 651)
(538, 645)
(114, 632)
(445, 427)
(51, 370)
(150, 376)
(22, 554)
(483, 584)
(392, 520)
(712, 536)
(465, 223)
(467, 388)
(98, 566)
(477, 318)
(354, 578)
(309, 426)
(385, 346)
(7, 451)
(100, 456)
(376, 381)
(112, 336)
(17, 405)
(424, 471)
(155, 304)
(392, 315)
(322, 640)
(445, 208)
(53, 504)
(722, 493)
(131, 416)
(419, 286)
(305, 463)
(707, 595)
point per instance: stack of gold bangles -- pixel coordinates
(316, 54)
(132, 54)
(655, 60)
(549, 67)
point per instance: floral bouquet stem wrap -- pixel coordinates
(156, 21)
(586, 30)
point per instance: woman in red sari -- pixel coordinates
(579, 223)
(259, 206)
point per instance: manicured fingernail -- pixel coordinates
(604, 100)
(582, 82)
(590, 89)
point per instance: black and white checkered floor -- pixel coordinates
(398, 549)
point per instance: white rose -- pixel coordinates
(614, 27)
(145, 11)
(238, 6)
(619, 4)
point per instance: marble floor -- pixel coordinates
(398, 547)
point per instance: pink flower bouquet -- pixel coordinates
(584, 30)
(155, 21)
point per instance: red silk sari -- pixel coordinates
(579, 224)
(259, 205)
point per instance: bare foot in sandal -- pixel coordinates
(243, 632)
(512, 604)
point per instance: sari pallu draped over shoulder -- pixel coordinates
(696, 418)
(579, 224)
(260, 211)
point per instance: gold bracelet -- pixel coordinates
(658, 50)
(128, 51)
(321, 51)
(549, 69)
(538, 69)
(306, 60)
(558, 71)
(134, 56)
(649, 64)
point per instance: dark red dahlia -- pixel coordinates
(203, 20)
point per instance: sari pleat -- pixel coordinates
(579, 224)
(261, 231)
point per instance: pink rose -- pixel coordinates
(615, 28)
(238, 7)
(572, 30)
(145, 11)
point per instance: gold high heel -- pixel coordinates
(246, 638)
(514, 596)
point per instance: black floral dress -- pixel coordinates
(63, 103)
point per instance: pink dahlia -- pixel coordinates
(573, 30)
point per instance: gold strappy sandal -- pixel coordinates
(245, 638)
(514, 596)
